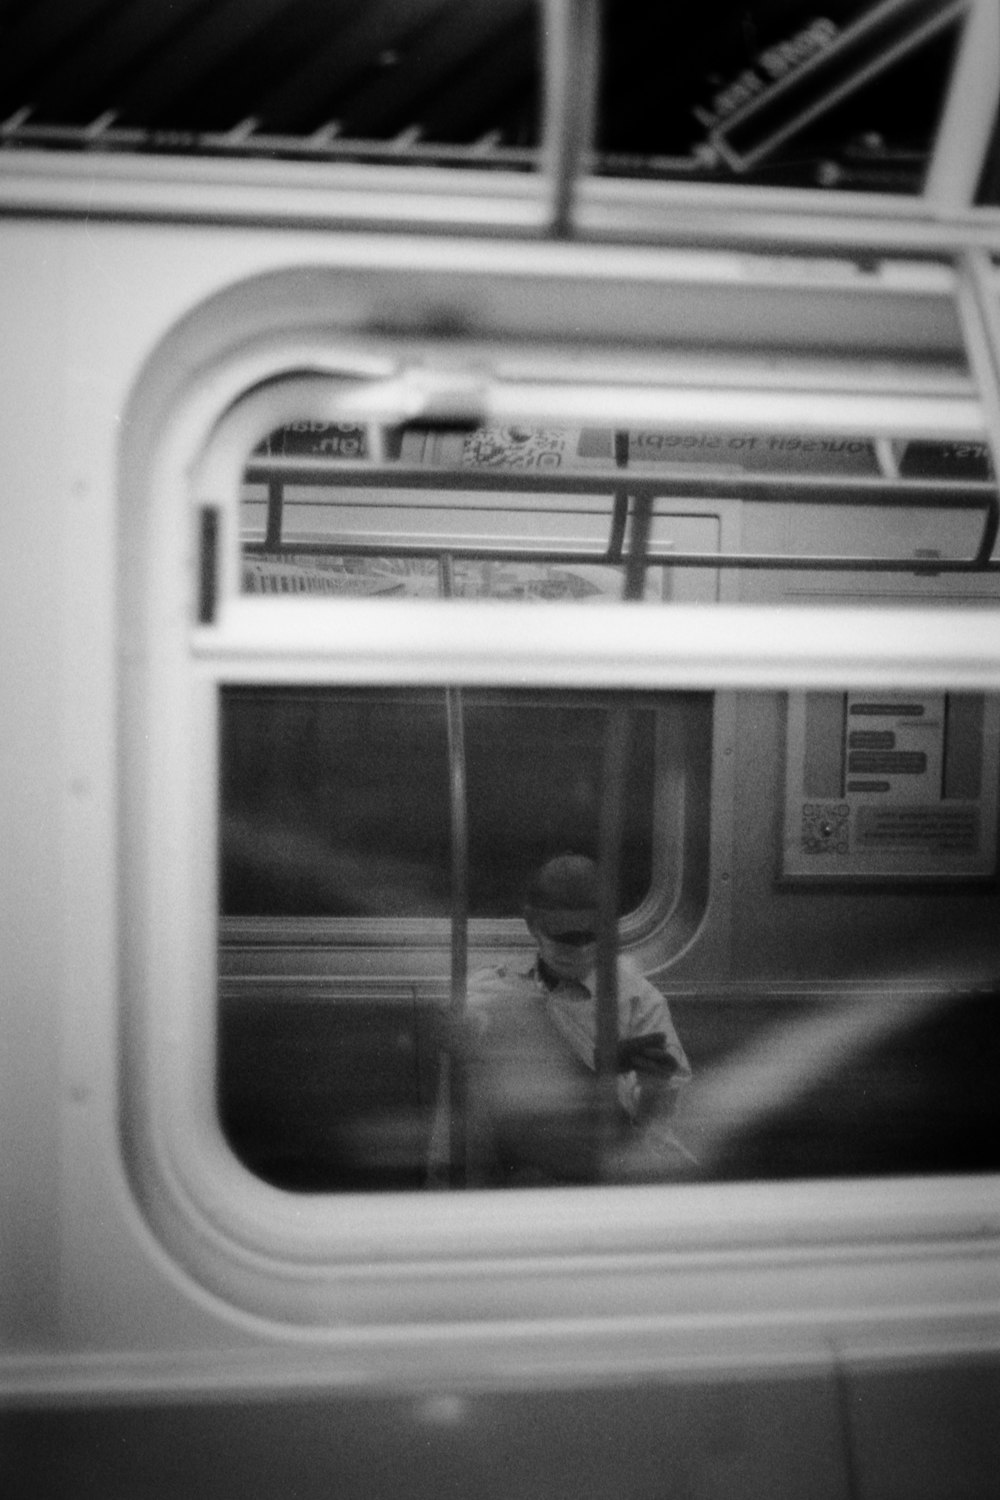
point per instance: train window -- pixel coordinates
(320, 815)
(336, 509)
(866, 825)
(339, 797)
(327, 1083)
(333, 509)
(405, 823)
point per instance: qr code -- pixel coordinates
(825, 827)
(515, 448)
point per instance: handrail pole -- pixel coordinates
(772, 487)
(458, 795)
(745, 561)
(617, 740)
(571, 62)
(963, 134)
(637, 558)
(991, 526)
(611, 826)
(980, 321)
(275, 508)
(620, 503)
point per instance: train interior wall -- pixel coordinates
(82, 307)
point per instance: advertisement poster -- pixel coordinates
(891, 786)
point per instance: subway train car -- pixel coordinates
(439, 439)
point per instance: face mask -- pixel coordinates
(568, 960)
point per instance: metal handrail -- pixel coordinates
(571, 62)
(806, 563)
(814, 489)
(642, 490)
(458, 802)
(618, 734)
(618, 739)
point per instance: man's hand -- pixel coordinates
(646, 1054)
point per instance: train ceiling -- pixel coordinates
(840, 94)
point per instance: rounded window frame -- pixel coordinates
(327, 1262)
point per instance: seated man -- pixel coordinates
(533, 1104)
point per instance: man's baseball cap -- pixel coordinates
(565, 889)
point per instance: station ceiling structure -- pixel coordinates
(860, 134)
(843, 96)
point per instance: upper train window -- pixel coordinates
(523, 513)
(512, 512)
(886, 97)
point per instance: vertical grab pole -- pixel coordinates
(458, 1153)
(275, 507)
(617, 744)
(571, 53)
(977, 311)
(617, 739)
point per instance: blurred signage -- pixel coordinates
(920, 460)
(316, 440)
(888, 786)
(552, 448)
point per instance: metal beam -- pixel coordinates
(970, 113)
(365, 184)
(572, 42)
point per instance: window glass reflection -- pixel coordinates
(551, 515)
(830, 1011)
(336, 804)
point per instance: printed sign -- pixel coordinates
(595, 447)
(923, 460)
(886, 786)
(756, 452)
(641, 450)
(587, 448)
(315, 440)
